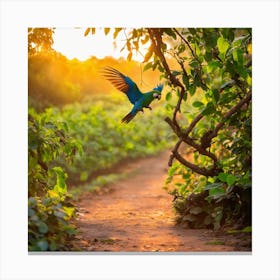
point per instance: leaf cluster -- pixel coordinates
(40, 40)
(49, 208)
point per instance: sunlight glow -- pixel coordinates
(72, 43)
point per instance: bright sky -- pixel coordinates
(72, 43)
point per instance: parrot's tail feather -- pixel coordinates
(128, 118)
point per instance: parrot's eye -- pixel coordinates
(156, 95)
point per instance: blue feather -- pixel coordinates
(159, 87)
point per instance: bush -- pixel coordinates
(49, 209)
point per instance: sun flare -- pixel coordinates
(72, 43)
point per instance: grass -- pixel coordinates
(246, 229)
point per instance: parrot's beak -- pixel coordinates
(159, 96)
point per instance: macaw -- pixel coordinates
(136, 97)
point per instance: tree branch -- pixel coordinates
(194, 56)
(193, 123)
(190, 141)
(200, 170)
(201, 148)
(187, 43)
(156, 39)
(176, 147)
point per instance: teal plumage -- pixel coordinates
(136, 97)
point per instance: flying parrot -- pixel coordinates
(136, 97)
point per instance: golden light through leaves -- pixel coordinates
(72, 43)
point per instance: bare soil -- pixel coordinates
(135, 215)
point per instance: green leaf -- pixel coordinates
(53, 245)
(216, 192)
(208, 56)
(216, 95)
(43, 228)
(230, 179)
(209, 109)
(60, 214)
(197, 104)
(194, 64)
(247, 229)
(228, 33)
(168, 96)
(213, 186)
(32, 144)
(70, 230)
(69, 211)
(53, 194)
(83, 176)
(223, 177)
(32, 201)
(31, 212)
(223, 45)
(176, 73)
(237, 55)
(148, 66)
(185, 96)
(170, 32)
(213, 65)
(61, 176)
(43, 245)
(186, 80)
(192, 89)
(181, 48)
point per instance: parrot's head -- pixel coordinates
(157, 91)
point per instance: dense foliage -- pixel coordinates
(105, 141)
(211, 179)
(39, 40)
(49, 208)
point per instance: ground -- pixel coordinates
(135, 215)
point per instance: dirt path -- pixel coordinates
(136, 216)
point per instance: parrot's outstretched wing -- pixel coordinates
(123, 83)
